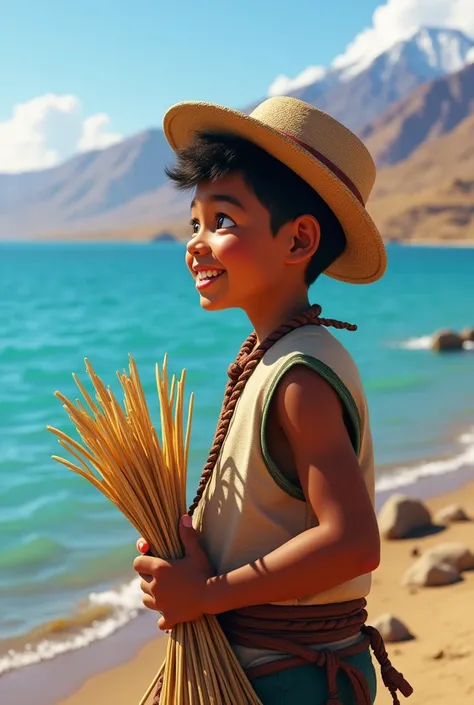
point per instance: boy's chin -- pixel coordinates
(208, 305)
(214, 305)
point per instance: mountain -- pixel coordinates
(126, 180)
(430, 196)
(122, 191)
(357, 94)
(430, 52)
(432, 110)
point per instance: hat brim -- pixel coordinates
(364, 259)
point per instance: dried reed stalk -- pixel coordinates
(146, 479)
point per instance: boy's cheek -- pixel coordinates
(236, 254)
(228, 250)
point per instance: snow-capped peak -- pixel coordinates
(429, 52)
(445, 49)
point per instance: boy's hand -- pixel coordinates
(175, 588)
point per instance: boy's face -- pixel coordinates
(233, 255)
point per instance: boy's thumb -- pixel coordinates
(187, 534)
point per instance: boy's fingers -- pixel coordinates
(145, 585)
(164, 625)
(148, 601)
(144, 564)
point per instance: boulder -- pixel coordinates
(429, 571)
(446, 341)
(451, 514)
(391, 628)
(454, 553)
(467, 335)
(403, 516)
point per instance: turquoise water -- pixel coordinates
(66, 553)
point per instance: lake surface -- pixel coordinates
(66, 553)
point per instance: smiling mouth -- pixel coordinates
(207, 278)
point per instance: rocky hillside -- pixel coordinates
(430, 196)
(115, 187)
(432, 110)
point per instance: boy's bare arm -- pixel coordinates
(346, 542)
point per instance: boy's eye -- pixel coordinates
(221, 221)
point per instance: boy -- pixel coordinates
(285, 535)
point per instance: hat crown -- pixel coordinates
(322, 134)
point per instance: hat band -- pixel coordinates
(329, 164)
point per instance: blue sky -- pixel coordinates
(82, 75)
(133, 59)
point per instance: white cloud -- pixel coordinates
(284, 84)
(95, 135)
(398, 19)
(391, 22)
(46, 130)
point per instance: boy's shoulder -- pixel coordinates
(313, 360)
(312, 343)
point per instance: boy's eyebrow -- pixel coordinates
(222, 198)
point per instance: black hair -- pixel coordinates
(212, 156)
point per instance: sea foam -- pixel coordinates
(409, 475)
(425, 342)
(125, 602)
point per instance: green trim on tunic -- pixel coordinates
(351, 417)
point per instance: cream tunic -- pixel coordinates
(249, 507)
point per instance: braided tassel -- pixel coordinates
(392, 678)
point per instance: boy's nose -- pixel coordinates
(197, 247)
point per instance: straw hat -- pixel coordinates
(320, 150)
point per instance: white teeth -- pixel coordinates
(208, 274)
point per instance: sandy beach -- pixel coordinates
(437, 662)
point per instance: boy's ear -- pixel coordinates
(305, 238)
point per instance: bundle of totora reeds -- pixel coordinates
(146, 480)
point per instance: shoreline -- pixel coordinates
(414, 477)
(133, 651)
(56, 679)
(434, 243)
(456, 244)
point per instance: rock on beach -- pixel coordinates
(392, 629)
(429, 571)
(440, 565)
(451, 514)
(402, 516)
(454, 553)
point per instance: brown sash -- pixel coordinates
(291, 630)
